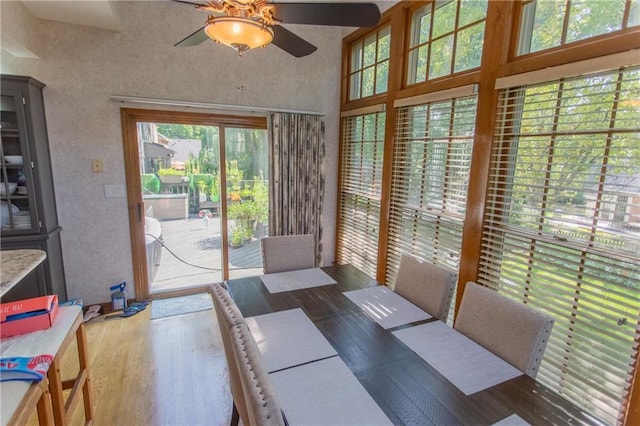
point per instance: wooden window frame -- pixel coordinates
(428, 43)
(524, 10)
(498, 60)
(373, 67)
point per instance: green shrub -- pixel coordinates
(244, 214)
(579, 199)
(170, 172)
(215, 190)
(150, 183)
(261, 197)
(195, 179)
(237, 237)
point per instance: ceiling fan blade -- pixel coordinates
(291, 43)
(194, 39)
(340, 14)
(189, 2)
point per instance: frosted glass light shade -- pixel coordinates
(239, 33)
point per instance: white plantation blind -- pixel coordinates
(360, 190)
(562, 227)
(432, 157)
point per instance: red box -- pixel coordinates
(32, 315)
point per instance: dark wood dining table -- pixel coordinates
(407, 388)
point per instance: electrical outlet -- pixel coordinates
(96, 166)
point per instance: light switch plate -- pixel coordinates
(114, 191)
(96, 166)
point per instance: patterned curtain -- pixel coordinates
(296, 176)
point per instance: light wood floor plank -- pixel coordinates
(167, 371)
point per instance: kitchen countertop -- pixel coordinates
(16, 264)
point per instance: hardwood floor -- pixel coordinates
(167, 371)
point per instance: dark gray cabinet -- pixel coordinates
(27, 201)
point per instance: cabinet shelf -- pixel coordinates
(15, 197)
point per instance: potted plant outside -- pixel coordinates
(170, 176)
(202, 191)
(261, 197)
(215, 190)
(237, 238)
(244, 214)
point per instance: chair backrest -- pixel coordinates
(262, 404)
(428, 286)
(288, 253)
(511, 330)
(228, 316)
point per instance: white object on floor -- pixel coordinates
(172, 306)
(92, 312)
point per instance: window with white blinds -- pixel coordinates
(360, 190)
(432, 158)
(562, 227)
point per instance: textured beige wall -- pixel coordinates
(82, 67)
(17, 35)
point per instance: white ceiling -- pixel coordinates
(99, 13)
(92, 13)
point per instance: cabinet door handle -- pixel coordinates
(140, 212)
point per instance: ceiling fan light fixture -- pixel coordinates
(238, 33)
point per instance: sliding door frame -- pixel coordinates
(129, 119)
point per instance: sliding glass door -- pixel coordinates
(180, 185)
(247, 189)
(198, 195)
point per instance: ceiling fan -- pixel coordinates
(248, 24)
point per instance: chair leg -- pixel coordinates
(235, 416)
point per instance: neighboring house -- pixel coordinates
(623, 209)
(157, 156)
(183, 148)
(161, 152)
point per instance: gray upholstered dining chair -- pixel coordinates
(288, 253)
(428, 286)
(262, 405)
(229, 315)
(511, 330)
